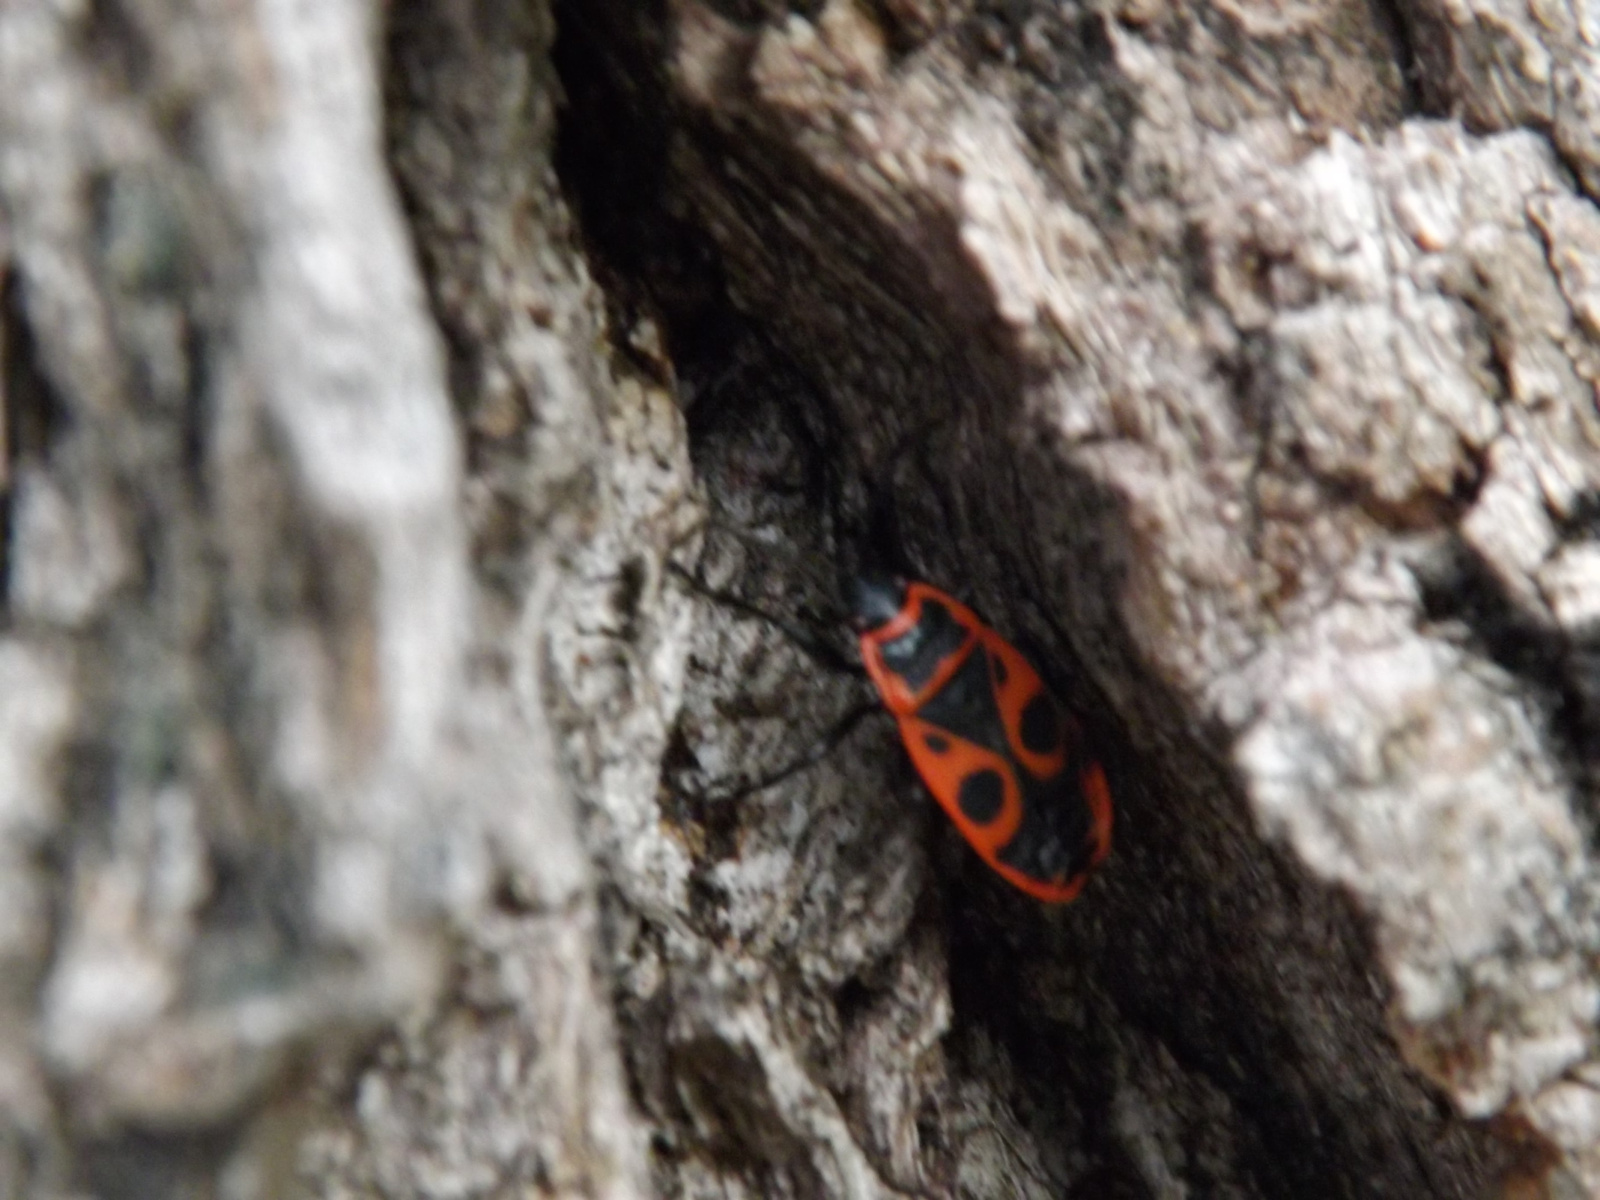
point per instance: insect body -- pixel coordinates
(999, 753)
(995, 748)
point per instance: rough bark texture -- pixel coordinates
(375, 378)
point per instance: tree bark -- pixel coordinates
(395, 397)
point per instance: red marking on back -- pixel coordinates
(944, 772)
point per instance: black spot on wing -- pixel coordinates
(966, 706)
(916, 654)
(982, 795)
(1041, 725)
(1052, 843)
(936, 742)
(998, 666)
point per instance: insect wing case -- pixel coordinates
(995, 748)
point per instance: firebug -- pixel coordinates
(996, 749)
(1003, 757)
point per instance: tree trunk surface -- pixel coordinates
(432, 435)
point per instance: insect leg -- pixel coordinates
(828, 656)
(842, 728)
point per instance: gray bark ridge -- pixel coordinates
(279, 777)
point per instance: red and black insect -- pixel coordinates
(996, 749)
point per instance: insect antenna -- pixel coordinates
(815, 753)
(826, 655)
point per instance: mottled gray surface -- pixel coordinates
(370, 375)
(278, 773)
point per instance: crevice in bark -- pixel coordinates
(9, 331)
(1583, 521)
(115, 37)
(147, 1166)
(611, 155)
(1558, 667)
(32, 417)
(1416, 99)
